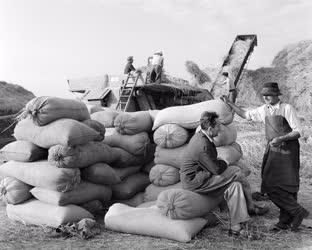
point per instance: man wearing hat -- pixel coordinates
(280, 166)
(157, 66)
(129, 66)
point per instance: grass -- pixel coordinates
(15, 235)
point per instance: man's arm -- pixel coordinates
(214, 166)
(238, 110)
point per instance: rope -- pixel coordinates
(16, 119)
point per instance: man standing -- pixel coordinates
(129, 66)
(203, 172)
(280, 166)
(157, 64)
(232, 92)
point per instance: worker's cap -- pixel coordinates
(130, 58)
(270, 89)
(159, 53)
(225, 73)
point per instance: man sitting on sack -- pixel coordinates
(204, 173)
(280, 165)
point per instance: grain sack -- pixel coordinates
(66, 132)
(134, 144)
(100, 173)
(148, 204)
(14, 191)
(148, 166)
(126, 159)
(227, 135)
(188, 116)
(110, 131)
(44, 109)
(170, 136)
(127, 171)
(184, 204)
(105, 117)
(164, 175)
(35, 212)
(153, 114)
(149, 221)
(42, 174)
(130, 186)
(22, 151)
(130, 123)
(152, 191)
(169, 156)
(230, 153)
(82, 155)
(99, 127)
(134, 201)
(82, 193)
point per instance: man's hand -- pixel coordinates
(276, 142)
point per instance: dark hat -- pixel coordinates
(270, 88)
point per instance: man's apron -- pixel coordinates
(280, 166)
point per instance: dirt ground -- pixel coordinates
(15, 235)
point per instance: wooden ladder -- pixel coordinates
(127, 91)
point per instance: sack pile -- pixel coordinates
(61, 168)
(118, 160)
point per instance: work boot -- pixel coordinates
(298, 218)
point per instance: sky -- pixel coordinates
(45, 42)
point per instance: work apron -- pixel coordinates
(280, 166)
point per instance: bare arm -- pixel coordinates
(238, 110)
(293, 135)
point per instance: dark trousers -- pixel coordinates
(286, 202)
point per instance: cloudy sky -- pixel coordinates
(45, 42)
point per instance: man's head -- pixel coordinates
(130, 59)
(209, 123)
(270, 93)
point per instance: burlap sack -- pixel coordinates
(169, 156)
(67, 132)
(84, 192)
(188, 116)
(82, 155)
(130, 186)
(149, 221)
(230, 153)
(42, 174)
(170, 136)
(97, 126)
(164, 175)
(22, 151)
(14, 191)
(134, 144)
(152, 191)
(184, 204)
(35, 212)
(105, 117)
(45, 109)
(130, 123)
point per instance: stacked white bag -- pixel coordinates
(173, 128)
(127, 136)
(37, 192)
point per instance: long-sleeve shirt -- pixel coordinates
(285, 109)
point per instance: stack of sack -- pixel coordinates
(61, 169)
(128, 136)
(36, 191)
(169, 211)
(174, 127)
